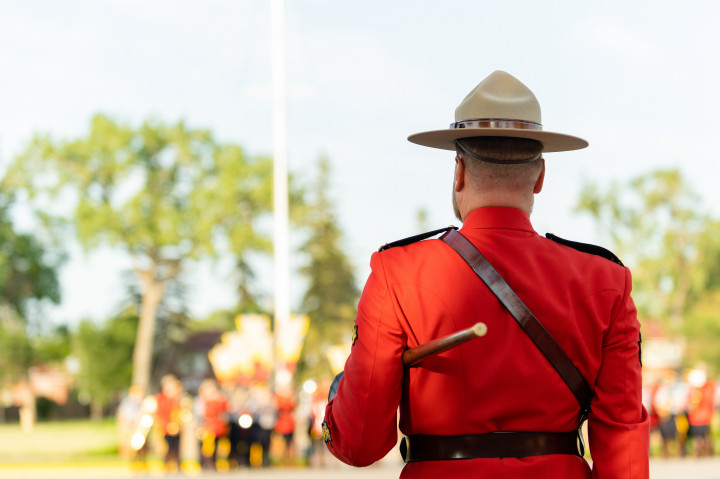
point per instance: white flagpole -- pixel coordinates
(280, 182)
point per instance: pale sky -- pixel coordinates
(639, 80)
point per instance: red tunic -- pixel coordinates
(214, 416)
(285, 421)
(500, 382)
(167, 414)
(701, 404)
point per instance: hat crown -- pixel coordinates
(500, 95)
(499, 106)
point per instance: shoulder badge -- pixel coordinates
(326, 433)
(586, 248)
(416, 238)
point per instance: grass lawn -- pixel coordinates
(58, 442)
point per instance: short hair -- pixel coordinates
(519, 177)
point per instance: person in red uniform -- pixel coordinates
(168, 419)
(213, 408)
(285, 423)
(700, 407)
(498, 390)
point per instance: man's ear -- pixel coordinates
(459, 174)
(541, 179)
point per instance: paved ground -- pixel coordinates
(659, 469)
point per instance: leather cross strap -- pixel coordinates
(524, 317)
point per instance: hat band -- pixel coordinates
(497, 123)
(472, 154)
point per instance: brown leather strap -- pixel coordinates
(420, 447)
(524, 317)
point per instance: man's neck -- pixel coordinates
(499, 199)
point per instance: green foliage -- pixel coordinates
(331, 297)
(28, 277)
(657, 225)
(20, 350)
(15, 351)
(103, 351)
(247, 297)
(163, 193)
(646, 215)
(220, 320)
(53, 346)
(27, 271)
(702, 332)
(158, 190)
(172, 320)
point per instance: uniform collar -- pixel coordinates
(498, 217)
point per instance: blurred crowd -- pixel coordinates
(228, 428)
(223, 429)
(683, 407)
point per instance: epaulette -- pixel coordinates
(416, 238)
(586, 248)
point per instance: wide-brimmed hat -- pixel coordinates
(500, 105)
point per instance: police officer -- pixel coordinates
(508, 404)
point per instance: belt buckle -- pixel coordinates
(580, 442)
(404, 449)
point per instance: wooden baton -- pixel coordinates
(418, 353)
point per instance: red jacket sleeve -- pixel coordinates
(619, 426)
(362, 417)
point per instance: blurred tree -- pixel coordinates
(247, 298)
(52, 345)
(701, 327)
(162, 193)
(702, 332)
(28, 279)
(657, 226)
(28, 270)
(102, 351)
(15, 349)
(172, 319)
(331, 297)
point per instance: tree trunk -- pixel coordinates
(28, 410)
(153, 290)
(96, 410)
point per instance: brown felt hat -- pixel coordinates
(500, 105)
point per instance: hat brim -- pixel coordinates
(445, 139)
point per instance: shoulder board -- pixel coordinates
(416, 238)
(586, 248)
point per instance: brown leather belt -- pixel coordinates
(421, 447)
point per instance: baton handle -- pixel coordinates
(418, 353)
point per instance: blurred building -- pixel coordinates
(195, 366)
(661, 351)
